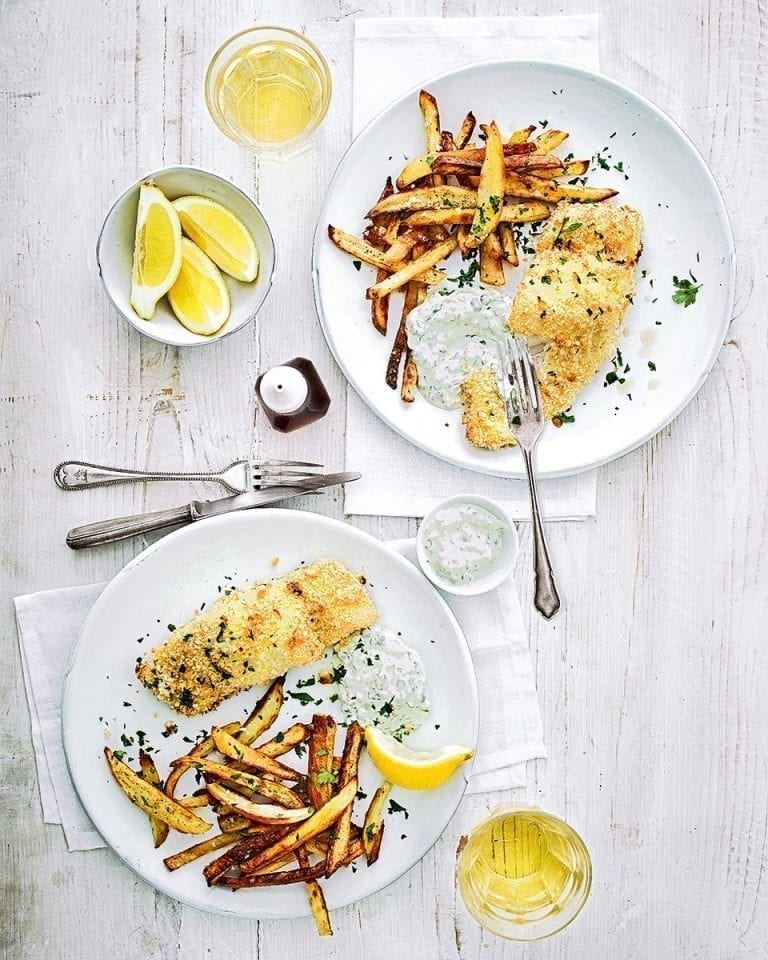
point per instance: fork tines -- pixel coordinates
(282, 472)
(519, 372)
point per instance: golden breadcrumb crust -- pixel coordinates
(615, 233)
(575, 295)
(254, 634)
(483, 413)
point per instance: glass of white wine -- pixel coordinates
(268, 88)
(524, 874)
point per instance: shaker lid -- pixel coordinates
(283, 389)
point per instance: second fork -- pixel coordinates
(239, 477)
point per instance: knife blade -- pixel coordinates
(199, 509)
(120, 528)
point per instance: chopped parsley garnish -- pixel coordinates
(482, 218)
(614, 376)
(338, 673)
(370, 831)
(303, 698)
(686, 290)
(467, 275)
(324, 776)
(562, 418)
(395, 807)
(357, 264)
(309, 682)
(495, 203)
(651, 365)
(171, 627)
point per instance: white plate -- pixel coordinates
(114, 255)
(164, 585)
(686, 228)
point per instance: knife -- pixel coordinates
(120, 528)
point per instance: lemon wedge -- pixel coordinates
(413, 769)
(199, 298)
(156, 250)
(220, 234)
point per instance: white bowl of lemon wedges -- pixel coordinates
(185, 256)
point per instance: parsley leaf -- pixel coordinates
(324, 776)
(467, 275)
(686, 290)
(395, 807)
(303, 698)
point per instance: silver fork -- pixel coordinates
(525, 416)
(240, 477)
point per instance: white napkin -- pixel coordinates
(391, 56)
(510, 721)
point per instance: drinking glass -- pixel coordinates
(268, 88)
(524, 874)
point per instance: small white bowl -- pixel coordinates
(504, 562)
(114, 255)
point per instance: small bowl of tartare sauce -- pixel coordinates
(467, 545)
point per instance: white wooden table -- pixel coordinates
(651, 681)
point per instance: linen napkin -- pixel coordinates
(510, 721)
(391, 56)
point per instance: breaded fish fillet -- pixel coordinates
(573, 298)
(255, 634)
(483, 413)
(575, 294)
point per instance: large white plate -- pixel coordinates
(164, 585)
(686, 228)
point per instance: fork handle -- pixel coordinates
(78, 475)
(545, 597)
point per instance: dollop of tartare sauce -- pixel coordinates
(451, 334)
(463, 542)
(383, 682)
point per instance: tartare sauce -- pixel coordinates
(463, 542)
(382, 682)
(452, 333)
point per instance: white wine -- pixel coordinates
(270, 91)
(524, 874)
(267, 87)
